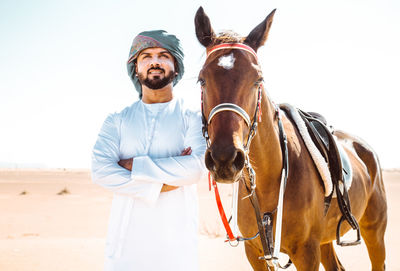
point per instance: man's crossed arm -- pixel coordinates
(127, 164)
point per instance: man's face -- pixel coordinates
(155, 68)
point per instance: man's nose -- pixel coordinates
(155, 62)
(154, 65)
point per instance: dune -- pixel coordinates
(57, 220)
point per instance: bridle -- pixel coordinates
(231, 106)
(271, 249)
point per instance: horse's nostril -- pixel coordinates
(226, 163)
(239, 160)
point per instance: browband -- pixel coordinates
(239, 46)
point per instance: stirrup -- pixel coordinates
(348, 242)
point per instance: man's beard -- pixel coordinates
(157, 82)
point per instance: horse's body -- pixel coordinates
(307, 233)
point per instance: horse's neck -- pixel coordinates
(265, 152)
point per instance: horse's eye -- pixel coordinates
(201, 81)
(258, 82)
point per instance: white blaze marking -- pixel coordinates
(227, 61)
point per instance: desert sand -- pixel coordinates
(56, 220)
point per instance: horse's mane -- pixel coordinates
(227, 36)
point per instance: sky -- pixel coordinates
(63, 67)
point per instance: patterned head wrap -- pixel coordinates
(155, 38)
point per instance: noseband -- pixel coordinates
(231, 106)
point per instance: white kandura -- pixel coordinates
(150, 229)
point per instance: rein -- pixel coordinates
(271, 249)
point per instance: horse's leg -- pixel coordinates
(329, 258)
(373, 226)
(252, 254)
(374, 220)
(306, 256)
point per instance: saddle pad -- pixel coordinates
(318, 159)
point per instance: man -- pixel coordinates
(151, 156)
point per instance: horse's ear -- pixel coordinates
(258, 36)
(204, 32)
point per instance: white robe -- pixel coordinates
(150, 230)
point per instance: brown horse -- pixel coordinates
(233, 76)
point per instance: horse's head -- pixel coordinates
(231, 84)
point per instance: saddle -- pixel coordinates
(324, 141)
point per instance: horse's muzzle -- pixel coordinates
(225, 164)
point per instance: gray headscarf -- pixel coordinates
(155, 38)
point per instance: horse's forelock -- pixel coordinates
(228, 36)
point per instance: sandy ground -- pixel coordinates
(56, 220)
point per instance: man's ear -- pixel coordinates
(258, 36)
(204, 32)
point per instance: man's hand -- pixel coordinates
(126, 163)
(187, 151)
(167, 187)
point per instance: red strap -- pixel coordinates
(221, 210)
(209, 181)
(240, 46)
